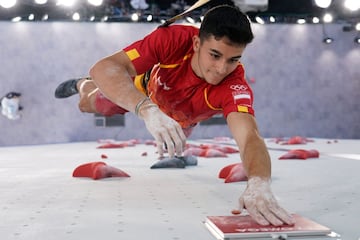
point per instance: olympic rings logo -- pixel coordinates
(238, 87)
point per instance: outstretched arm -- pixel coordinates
(257, 198)
(113, 76)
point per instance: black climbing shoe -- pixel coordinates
(67, 88)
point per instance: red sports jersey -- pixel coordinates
(173, 85)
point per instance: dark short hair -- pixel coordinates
(226, 21)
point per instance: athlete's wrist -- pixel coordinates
(140, 104)
(147, 108)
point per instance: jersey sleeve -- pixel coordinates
(160, 46)
(239, 100)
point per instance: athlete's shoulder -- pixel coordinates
(179, 38)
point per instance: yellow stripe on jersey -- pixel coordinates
(208, 103)
(169, 65)
(187, 56)
(175, 64)
(242, 109)
(133, 54)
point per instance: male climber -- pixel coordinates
(177, 76)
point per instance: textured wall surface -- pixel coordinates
(302, 86)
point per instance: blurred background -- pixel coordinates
(274, 11)
(303, 65)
